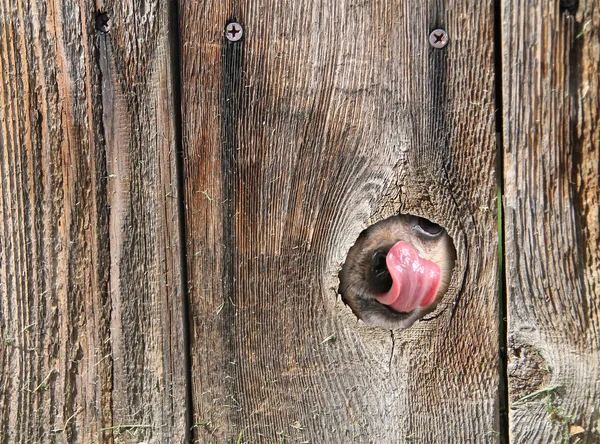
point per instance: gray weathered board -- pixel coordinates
(325, 118)
(90, 272)
(328, 116)
(551, 118)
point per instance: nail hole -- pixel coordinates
(103, 22)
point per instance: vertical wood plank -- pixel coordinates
(326, 117)
(90, 284)
(551, 197)
(55, 256)
(138, 105)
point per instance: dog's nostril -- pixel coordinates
(379, 276)
(378, 261)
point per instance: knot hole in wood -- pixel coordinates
(397, 271)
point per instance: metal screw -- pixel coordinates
(438, 38)
(234, 31)
(103, 22)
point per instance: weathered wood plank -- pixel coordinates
(551, 197)
(139, 103)
(90, 286)
(328, 116)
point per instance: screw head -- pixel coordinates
(438, 38)
(103, 22)
(234, 31)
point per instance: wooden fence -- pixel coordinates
(175, 208)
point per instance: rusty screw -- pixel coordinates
(234, 31)
(438, 38)
(103, 22)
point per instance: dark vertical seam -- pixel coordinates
(502, 300)
(438, 83)
(104, 48)
(574, 48)
(232, 56)
(176, 79)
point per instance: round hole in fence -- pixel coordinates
(397, 271)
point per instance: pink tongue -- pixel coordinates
(415, 280)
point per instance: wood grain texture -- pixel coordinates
(551, 198)
(90, 285)
(327, 117)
